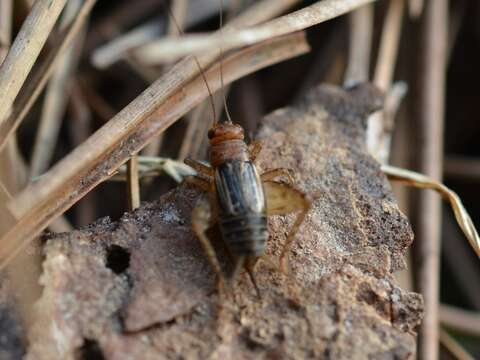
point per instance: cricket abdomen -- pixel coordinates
(245, 235)
(242, 209)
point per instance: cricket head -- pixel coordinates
(225, 131)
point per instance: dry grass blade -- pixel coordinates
(56, 98)
(378, 132)
(41, 75)
(9, 156)
(118, 48)
(25, 50)
(98, 158)
(465, 321)
(421, 181)
(176, 25)
(388, 52)
(462, 167)
(453, 346)
(430, 118)
(415, 8)
(170, 49)
(360, 46)
(133, 184)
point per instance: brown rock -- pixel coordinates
(141, 288)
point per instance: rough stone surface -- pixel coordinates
(141, 288)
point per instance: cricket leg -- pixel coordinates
(284, 199)
(254, 149)
(198, 182)
(200, 168)
(201, 220)
(271, 175)
(250, 263)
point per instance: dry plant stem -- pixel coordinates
(80, 130)
(415, 8)
(41, 74)
(179, 11)
(8, 157)
(430, 120)
(421, 181)
(467, 322)
(377, 136)
(151, 113)
(462, 167)
(175, 28)
(25, 50)
(123, 16)
(23, 272)
(56, 98)
(133, 183)
(388, 52)
(173, 48)
(453, 346)
(360, 45)
(117, 49)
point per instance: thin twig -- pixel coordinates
(378, 134)
(467, 322)
(117, 49)
(147, 116)
(8, 155)
(133, 183)
(415, 8)
(360, 46)
(462, 167)
(429, 137)
(39, 78)
(453, 346)
(464, 273)
(175, 28)
(56, 98)
(170, 49)
(80, 130)
(25, 50)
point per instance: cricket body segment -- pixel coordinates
(240, 199)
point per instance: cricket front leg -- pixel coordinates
(254, 149)
(283, 199)
(200, 168)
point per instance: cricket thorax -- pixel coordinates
(242, 206)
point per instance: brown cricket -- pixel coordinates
(240, 199)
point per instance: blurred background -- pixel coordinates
(424, 54)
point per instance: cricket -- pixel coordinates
(237, 197)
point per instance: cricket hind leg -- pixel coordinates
(271, 175)
(284, 199)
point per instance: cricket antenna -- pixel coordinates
(200, 68)
(229, 118)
